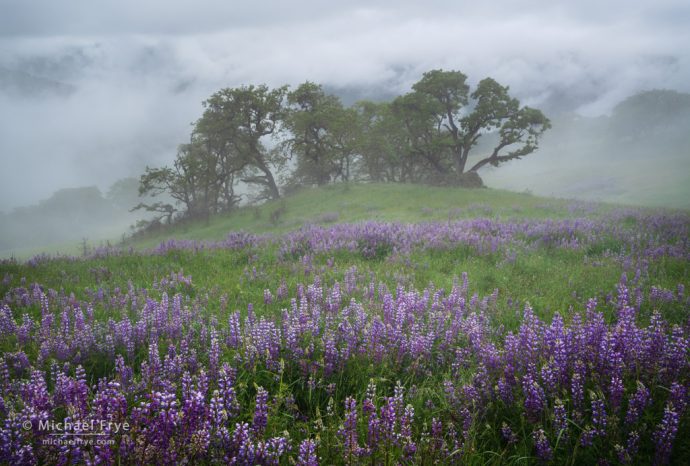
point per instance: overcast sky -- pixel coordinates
(92, 91)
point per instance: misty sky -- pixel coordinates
(93, 91)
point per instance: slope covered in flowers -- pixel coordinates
(473, 341)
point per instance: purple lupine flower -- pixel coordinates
(35, 393)
(227, 391)
(599, 417)
(534, 397)
(104, 453)
(307, 454)
(530, 336)
(389, 419)
(13, 450)
(373, 428)
(282, 291)
(637, 404)
(541, 443)
(234, 330)
(508, 434)
(577, 389)
(675, 353)
(194, 414)
(159, 419)
(214, 355)
(665, 434)
(270, 451)
(331, 355)
(560, 421)
(409, 446)
(217, 412)
(109, 403)
(505, 391)
(7, 324)
(678, 397)
(616, 391)
(187, 385)
(437, 441)
(154, 363)
(260, 412)
(587, 436)
(398, 397)
(626, 454)
(24, 330)
(311, 383)
(349, 430)
(202, 382)
(334, 299)
(549, 376)
(242, 448)
(68, 451)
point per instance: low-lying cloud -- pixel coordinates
(90, 93)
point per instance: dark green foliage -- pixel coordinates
(201, 181)
(227, 144)
(323, 135)
(603, 246)
(237, 121)
(434, 130)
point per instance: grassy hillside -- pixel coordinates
(346, 204)
(379, 202)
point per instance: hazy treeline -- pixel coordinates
(273, 140)
(71, 214)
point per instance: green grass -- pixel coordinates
(556, 281)
(70, 248)
(551, 280)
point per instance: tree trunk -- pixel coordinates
(461, 161)
(459, 168)
(271, 184)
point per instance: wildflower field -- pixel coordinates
(558, 338)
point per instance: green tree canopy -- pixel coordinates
(249, 134)
(444, 122)
(238, 123)
(198, 182)
(323, 135)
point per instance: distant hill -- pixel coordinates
(640, 154)
(653, 119)
(69, 216)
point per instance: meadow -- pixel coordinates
(363, 324)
